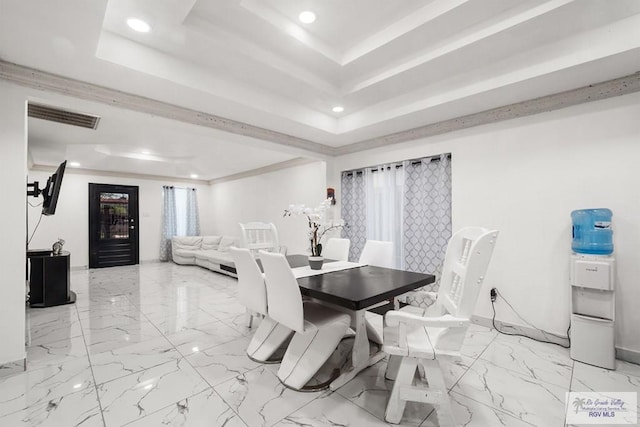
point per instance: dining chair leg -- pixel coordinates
(308, 351)
(397, 402)
(267, 339)
(249, 318)
(439, 395)
(392, 367)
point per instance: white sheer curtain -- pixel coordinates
(384, 206)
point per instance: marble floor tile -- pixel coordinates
(175, 322)
(370, 391)
(527, 399)
(544, 362)
(33, 387)
(134, 396)
(56, 353)
(469, 413)
(204, 336)
(260, 398)
(79, 409)
(476, 340)
(223, 362)
(54, 330)
(331, 410)
(166, 345)
(205, 409)
(105, 339)
(123, 361)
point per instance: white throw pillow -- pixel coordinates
(226, 243)
(211, 242)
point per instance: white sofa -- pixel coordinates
(211, 252)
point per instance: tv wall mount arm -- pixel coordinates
(37, 191)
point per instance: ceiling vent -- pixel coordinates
(53, 114)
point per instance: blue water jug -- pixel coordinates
(592, 233)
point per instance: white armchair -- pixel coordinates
(416, 341)
(259, 236)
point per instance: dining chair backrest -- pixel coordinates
(259, 236)
(337, 249)
(283, 294)
(465, 265)
(252, 291)
(378, 254)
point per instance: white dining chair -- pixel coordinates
(417, 338)
(318, 328)
(378, 253)
(337, 249)
(252, 293)
(257, 236)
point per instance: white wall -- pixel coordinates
(13, 170)
(265, 197)
(71, 220)
(524, 177)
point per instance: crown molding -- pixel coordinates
(50, 82)
(96, 172)
(594, 92)
(41, 80)
(298, 161)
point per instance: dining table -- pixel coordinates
(354, 289)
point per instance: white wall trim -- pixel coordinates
(41, 80)
(298, 161)
(80, 171)
(594, 92)
(632, 356)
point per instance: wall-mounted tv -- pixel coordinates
(51, 192)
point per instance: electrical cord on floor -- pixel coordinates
(493, 322)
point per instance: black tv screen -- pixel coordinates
(52, 190)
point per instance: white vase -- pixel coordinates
(315, 262)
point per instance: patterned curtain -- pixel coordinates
(427, 213)
(169, 222)
(193, 218)
(354, 212)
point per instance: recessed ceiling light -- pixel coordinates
(307, 17)
(338, 109)
(74, 164)
(138, 25)
(194, 176)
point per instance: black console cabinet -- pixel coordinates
(49, 279)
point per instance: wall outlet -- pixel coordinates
(493, 294)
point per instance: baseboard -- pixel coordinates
(150, 261)
(79, 268)
(631, 356)
(625, 354)
(12, 368)
(523, 330)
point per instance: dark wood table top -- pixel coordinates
(358, 288)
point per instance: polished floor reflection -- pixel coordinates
(162, 344)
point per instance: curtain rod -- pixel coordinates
(179, 188)
(398, 166)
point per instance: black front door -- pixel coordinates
(113, 225)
